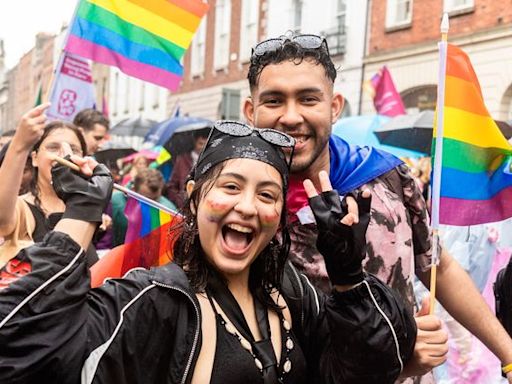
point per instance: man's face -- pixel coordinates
(144, 190)
(199, 144)
(298, 100)
(4, 140)
(94, 138)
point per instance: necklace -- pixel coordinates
(288, 344)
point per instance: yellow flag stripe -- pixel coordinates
(472, 128)
(147, 20)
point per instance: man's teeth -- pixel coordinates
(239, 228)
(300, 139)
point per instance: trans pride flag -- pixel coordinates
(148, 242)
(143, 38)
(476, 174)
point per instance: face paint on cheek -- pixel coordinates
(215, 211)
(270, 220)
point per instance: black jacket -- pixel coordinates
(145, 328)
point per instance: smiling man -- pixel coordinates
(291, 80)
(94, 127)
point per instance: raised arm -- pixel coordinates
(28, 132)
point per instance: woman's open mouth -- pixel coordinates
(237, 238)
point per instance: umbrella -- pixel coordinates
(412, 132)
(415, 131)
(358, 130)
(182, 140)
(133, 126)
(110, 155)
(149, 154)
(162, 132)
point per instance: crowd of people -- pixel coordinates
(295, 261)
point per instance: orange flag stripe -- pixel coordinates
(462, 94)
(198, 8)
(171, 12)
(459, 65)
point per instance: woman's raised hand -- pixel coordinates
(31, 127)
(341, 230)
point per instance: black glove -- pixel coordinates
(343, 247)
(86, 197)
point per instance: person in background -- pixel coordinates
(27, 171)
(182, 167)
(139, 163)
(291, 81)
(229, 309)
(94, 126)
(148, 182)
(6, 137)
(29, 217)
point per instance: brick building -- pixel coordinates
(404, 36)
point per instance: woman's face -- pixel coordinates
(140, 163)
(239, 215)
(60, 142)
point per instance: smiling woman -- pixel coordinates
(231, 309)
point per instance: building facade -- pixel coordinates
(404, 36)
(215, 67)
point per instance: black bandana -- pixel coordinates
(222, 146)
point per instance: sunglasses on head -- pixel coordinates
(236, 128)
(305, 41)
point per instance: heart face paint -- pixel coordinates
(245, 201)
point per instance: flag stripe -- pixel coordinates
(171, 13)
(130, 67)
(145, 217)
(471, 158)
(149, 21)
(471, 102)
(459, 65)
(116, 43)
(475, 186)
(108, 20)
(468, 212)
(477, 130)
(198, 8)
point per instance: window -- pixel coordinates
(197, 55)
(142, 95)
(116, 92)
(222, 29)
(398, 13)
(127, 95)
(297, 15)
(249, 28)
(458, 5)
(336, 36)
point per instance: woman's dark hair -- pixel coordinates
(267, 269)
(49, 128)
(290, 51)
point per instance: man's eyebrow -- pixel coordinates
(302, 91)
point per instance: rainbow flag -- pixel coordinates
(148, 242)
(476, 175)
(143, 38)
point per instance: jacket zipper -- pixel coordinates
(301, 295)
(196, 336)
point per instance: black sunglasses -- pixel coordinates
(305, 41)
(236, 128)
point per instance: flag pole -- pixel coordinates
(129, 192)
(51, 86)
(436, 180)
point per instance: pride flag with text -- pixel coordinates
(476, 175)
(148, 242)
(143, 38)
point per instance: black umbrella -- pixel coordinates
(133, 126)
(110, 155)
(182, 140)
(415, 131)
(412, 132)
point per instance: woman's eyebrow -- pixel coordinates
(244, 179)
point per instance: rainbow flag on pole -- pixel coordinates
(476, 174)
(143, 38)
(148, 242)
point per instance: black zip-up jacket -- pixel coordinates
(145, 328)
